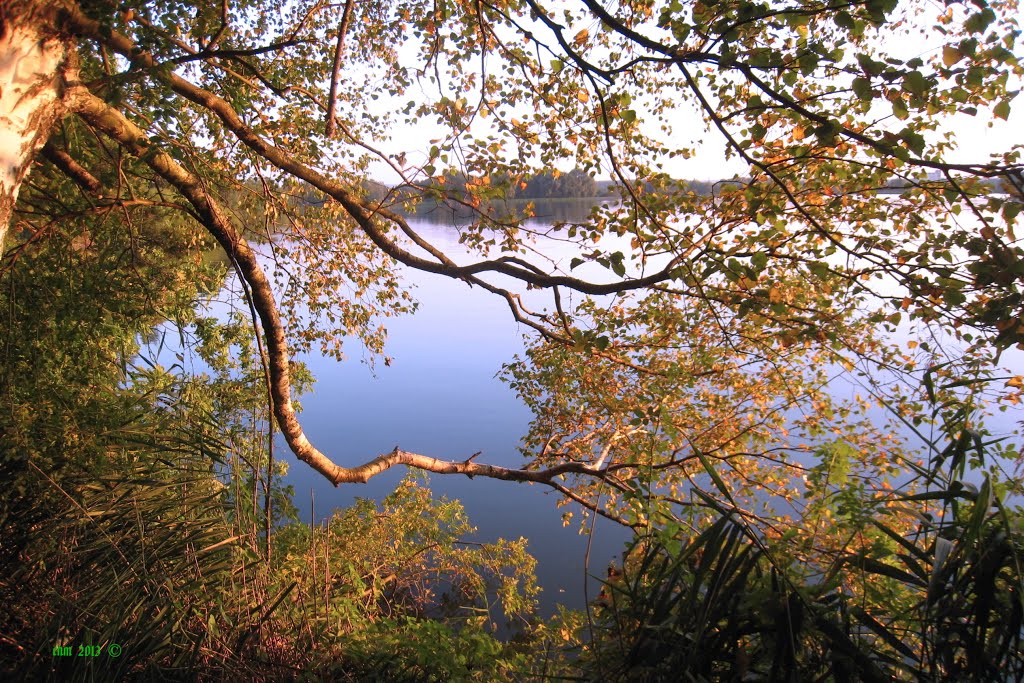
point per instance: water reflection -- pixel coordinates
(440, 397)
(568, 209)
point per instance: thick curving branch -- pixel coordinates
(366, 216)
(115, 125)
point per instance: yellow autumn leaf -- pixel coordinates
(583, 96)
(951, 55)
(581, 37)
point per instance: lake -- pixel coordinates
(440, 397)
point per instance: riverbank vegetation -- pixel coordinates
(783, 387)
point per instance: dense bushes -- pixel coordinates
(941, 603)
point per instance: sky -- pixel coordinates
(978, 137)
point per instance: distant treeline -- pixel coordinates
(578, 184)
(548, 184)
(897, 185)
(574, 184)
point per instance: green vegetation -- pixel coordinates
(940, 603)
(682, 373)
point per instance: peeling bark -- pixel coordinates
(35, 64)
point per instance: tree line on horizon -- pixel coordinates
(578, 184)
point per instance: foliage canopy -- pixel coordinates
(222, 111)
(679, 368)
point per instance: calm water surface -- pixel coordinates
(440, 397)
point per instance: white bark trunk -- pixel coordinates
(32, 64)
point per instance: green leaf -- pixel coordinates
(913, 140)
(862, 89)
(978, 22)
(915, 83)
(826, 133)
(878, 9)
(1002, 110)
(845, 21)
(951, 55)
(869, 65)
(899, 109)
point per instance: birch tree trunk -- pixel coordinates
(34, 61)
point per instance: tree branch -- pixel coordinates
(339, 51)
(116, 126)
(364, 215)
(72, 169)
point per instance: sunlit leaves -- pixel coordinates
(405, 557)
(844, 221)
(637, 399)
